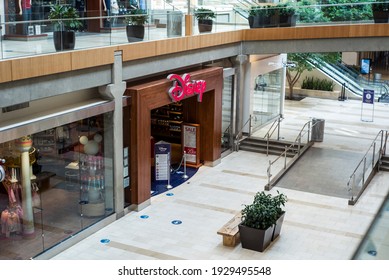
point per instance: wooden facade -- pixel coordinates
(154, 94)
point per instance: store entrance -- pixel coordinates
(166, 129)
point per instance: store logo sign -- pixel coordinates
(184, 87)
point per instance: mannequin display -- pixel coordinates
(25, 12)
(114, 11)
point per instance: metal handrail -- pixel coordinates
(350, 186)
(270, 132)
(284, 153)
(237, 140)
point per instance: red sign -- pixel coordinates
(184, 87)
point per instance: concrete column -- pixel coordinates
(24, 145)
(115, 92)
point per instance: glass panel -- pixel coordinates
(228, 90)
(266, 98)
(58, 182)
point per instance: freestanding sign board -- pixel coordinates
(367, 109)
(365, 65)
(162, 161)
(191, 144)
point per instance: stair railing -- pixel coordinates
(306, 129)
(365, 169)
(238, 138)
(275, 125)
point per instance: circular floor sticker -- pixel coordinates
(105, 241)
(170, 194)
(176, 222)
(144, 217)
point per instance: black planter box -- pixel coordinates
(277, 228)
(64, 40)
(255, 239)
(135, 33)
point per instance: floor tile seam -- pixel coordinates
(244, 174)
(228, 189)
(142, 251)
(205, 206)
(346, 209)
(324, 229)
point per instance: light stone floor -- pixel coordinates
(316, 227)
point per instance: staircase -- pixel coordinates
(384, 163)
(259, 145)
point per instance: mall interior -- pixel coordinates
(102, 133)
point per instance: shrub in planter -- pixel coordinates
(259, 221)
(317, 84)
(65, 22)
(135, 24)
(380, 12)
(287, 15)
(204, 19)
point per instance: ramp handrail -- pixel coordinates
(364, 178)
(290, 147)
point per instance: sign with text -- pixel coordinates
(368, 96)
(184, 87)
(162, 161)
(191, 143)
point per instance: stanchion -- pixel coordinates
(185, 176)
(168, 186)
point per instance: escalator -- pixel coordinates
(351, 79)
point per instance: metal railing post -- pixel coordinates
(269, 173)
(372, 163)
(278, 129)
(286, 149)
(363, 174)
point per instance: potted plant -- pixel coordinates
(287, 15)
(65, 23)
(135, 24)
(204, 19)
(380, 12)
(259, 221)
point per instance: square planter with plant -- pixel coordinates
(135, 24)
(204, 19)
(262, 221)
(65, 23)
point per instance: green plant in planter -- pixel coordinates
(380, 7)
(64, 18)
(66, 22)
(136, 20)
(259, 220)
(136, 17)
(202, 13)
(286, 9)
(205, 19)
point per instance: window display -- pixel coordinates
(54, 184)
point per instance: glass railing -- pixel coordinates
(34, 37)
(374, 245)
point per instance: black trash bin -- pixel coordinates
(317, 133)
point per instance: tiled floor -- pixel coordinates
(316, 226)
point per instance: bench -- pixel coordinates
(230, 231)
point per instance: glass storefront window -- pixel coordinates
(266, 98)
(57, 183)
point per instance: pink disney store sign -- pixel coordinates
(183, 87)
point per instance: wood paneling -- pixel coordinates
(172, 45)
(5, 71)
(37, 66)
(138, 50)
(94, 57)
(152, 95)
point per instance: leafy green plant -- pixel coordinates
(264, 211)
(285, 9)
(64, 17)
(309, 12)
(204, 14)
(317, 84)
(380, 7)
(136, 17)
